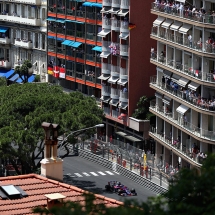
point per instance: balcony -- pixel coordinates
(123, 73)
(116, 3)
(197, 46)
(187, 127)
(16, 19)
(115, 25)
(179, 68)
(177, 147)
(105, 91)
(5, 64)
(115, 71)
(115, 114)
(5, 40)
(106, 110)
(123, 96)
(114, 93)
(107, 3)
(125, 4)
(106, 23)
(90, 57)
(124, 27)
(23, 44)
(105, 46)
(31, 2)
(183, 96)
(106, 68)
(123, 50)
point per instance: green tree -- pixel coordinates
(191, 193)
(24, 108)
(3, 81)
(23, 70)
(142, 111)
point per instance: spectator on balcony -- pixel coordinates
(163, 81)
(162, 56)
(185, 119)
(124, 90)
(181, 9)
(190, 39)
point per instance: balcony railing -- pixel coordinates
(105, 90)
(24, 44)
(17, 19)
(124, 50)
(115, 113)
(192, 129)
(116, 3)
(177, 146)
(185, 95)
(115, 25)
(5, 40)
(114, 93)
(91, 15)
(106, 110)
(107, 2)
(90, 57)
(106, 23)
(195, 16)
(123, 95)
(31, 2)
(183, 68)
(123, 71)
(5, 64)
(105, 46)
(124, 26)
(125, 4)
(106, 68)
(115, 70)
(195, 45)
(90, 36)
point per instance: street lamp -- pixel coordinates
(73, 132)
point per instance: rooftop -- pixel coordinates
(37, 187)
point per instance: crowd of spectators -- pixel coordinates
(185, 10)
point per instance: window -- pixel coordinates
(36, 43)
(43, 41)
(43, 13)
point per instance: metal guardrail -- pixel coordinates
(123, 171)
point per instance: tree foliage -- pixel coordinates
(142, 111)
(3, 81)
(191, 193)
(23, 70)
(23, 109)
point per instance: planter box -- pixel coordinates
(140, 125)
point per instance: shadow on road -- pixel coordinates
(85, 185)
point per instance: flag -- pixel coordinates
(62, 73)
(50, 70)
(131, 26)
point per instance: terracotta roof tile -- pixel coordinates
(36, 187)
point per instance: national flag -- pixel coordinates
(62, 73)
(131, 26)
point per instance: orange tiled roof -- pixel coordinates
(36, 187)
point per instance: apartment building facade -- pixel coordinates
(23, 35)
(96, 47)
(184, 83)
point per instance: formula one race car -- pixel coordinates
(114, 186)
(127, 192)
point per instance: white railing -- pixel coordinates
(123, 95)
(123, 71)
(125, 4)
(17, 19)
(105, 90)
(115, 24)
(124, 26)
(124, 50)
(106, 110)
(106, 23)
(114, 92)
(106, 2)
(116, 3)
(115, 113)
(27, 44)
(105, 45)
(5, 40)
(114, 69)
(106, 68)
(34, 2)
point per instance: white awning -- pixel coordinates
(182, 109)
(123, 105)
(167, 23)
(105, 54)
(123, 12)
(175, 26)
(122, 81)
(124, 36)
(103, 33)
(104, 77)
(182, 1)
(167, 74)
(166, 100)
(113, 79)
(184, 29)
(105, 9)
(183, 81)
(158, 95)
(158, 21)
(175, 78)
(193, 86)
(114, 102)
(114, 10)
(105, 99)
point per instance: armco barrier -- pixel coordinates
(123, 171)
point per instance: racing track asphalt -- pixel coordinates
(93, 177)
